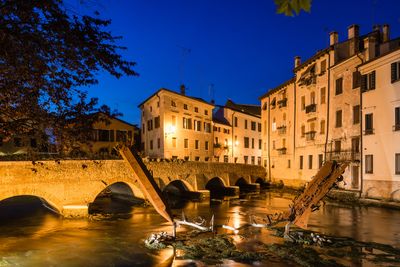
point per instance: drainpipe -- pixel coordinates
(361, 135)
(328, 105)
(269, 139)
(233, 127)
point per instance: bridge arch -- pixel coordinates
(215, 183)
(241, 181)
(49, 198)
(177, 187)
(117, 187)
(395, 195)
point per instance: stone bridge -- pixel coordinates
(70, 186)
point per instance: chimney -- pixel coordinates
(353, 31)
(333, 38)
(297, 61)
(183, 89)
(369, 45)
(213, 101)
(385, 33)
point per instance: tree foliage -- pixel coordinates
(47, 54)
(291, 7)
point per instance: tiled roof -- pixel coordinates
(254, 110)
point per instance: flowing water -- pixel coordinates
(41, 238)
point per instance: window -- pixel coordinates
(158, 143)
(197, 125)
(196, 144)
(226, 159)
(206, 145)
(158, 104)
(253, 160)
(236, 121)
(185, 106)
(151, 144)
(173, 141)
(196, 109)
(356, 114)
(310, 159)
(338, 119)
(157, 122)
(323, 66)
(355, 145)
(259, 127)
(395, 71)
(322, 126)
(207, 127)
(216, 140)
(252, 142)
(197, 158)
(259, 161)
(246, 142)
(312, 97)
(338, 145)
(259, 144)
(205, 112)
(356, 79)
(323, 95)
(173, 104)
(245, 124)
(253, 126)
(369, 123)
(246, 159)
(187, 123)
(288, 163)
(368, 82)
(303, 130)
(339, 86)
(396, 119)
(369, 164)
(320, 160)
(301, 163)
(104, 135)
(185, 143)
(397, 163)
(303, 102)
(206, 158)
(149, 125)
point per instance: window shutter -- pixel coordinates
(372, 80)
(364, 83)
(111, 135)
(356, 79)
(393, 71)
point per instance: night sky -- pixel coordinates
(241, 47)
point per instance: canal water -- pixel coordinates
(115, 238)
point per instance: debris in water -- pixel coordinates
(159, 241)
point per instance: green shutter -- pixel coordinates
(364, 79)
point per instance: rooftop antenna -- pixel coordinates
(211, 92)
(184, 52)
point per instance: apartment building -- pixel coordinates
(246, 143)
(329, 107)
(176, 126)
(380, 88)
(278, 126)
(222, 133)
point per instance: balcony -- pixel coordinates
(281, 151)
(281, 129)
(310, 135)
(396, 127)
(344, 155)
(311, 108)
(282, 103)
(369, 131)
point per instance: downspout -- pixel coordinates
(269, 141)
(233, 142)
(361, 135)
(328, 105)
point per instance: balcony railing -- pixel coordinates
(310, 135)
(344, 155)
(282, 103)
(282, 129)
(369, 131)
(281, 151)
(311, 108)
(396, 127)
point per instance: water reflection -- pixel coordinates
(32, 236)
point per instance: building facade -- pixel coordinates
(331, 93)
(176, 126)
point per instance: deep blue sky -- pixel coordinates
(242, 47)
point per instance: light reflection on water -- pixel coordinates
(44, 239)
